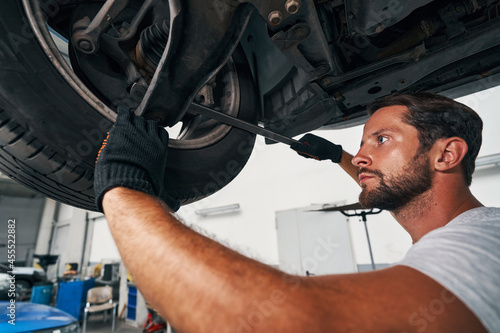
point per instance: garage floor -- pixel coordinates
(96, 325)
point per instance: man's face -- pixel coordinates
(391, 169)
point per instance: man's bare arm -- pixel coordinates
(199, 285)
(346, 164)
(194, 282)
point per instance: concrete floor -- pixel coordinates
(95, 324)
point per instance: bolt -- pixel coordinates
(85, 45)
(379, 28)
(292, 6)
(138, 91)
(275, 17)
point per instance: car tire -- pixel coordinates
(50, 131)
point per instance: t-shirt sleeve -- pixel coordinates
(465, 259)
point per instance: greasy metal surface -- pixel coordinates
(191, 58)
(369, 16)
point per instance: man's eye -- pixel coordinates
(382, 139)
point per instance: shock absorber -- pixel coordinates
(151, 45)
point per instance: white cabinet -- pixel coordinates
(311, 242)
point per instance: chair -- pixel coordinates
(99, 299)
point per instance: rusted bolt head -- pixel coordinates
(292, 6)
(84, 44)
(275, 17)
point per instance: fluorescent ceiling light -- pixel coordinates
(218, 210)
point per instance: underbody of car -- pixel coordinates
(315, 64)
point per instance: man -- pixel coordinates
(416, 158)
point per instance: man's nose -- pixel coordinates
(361, 159)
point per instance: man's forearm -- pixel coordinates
(184, 270)
(198, 285)
(346, 164)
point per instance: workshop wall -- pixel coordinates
(102, 247)
(26, 213)
(68, 238)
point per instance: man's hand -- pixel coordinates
(312, 146)
(134, 155)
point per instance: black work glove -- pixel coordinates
(312, 146)
(134, 155)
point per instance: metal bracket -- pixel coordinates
(183, 69)
(87, 34)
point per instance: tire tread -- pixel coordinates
(41, 167)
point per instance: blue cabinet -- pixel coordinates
(132, 302)
(72, 296)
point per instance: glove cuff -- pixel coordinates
(121, 175)
(336, 154)
(174, 204)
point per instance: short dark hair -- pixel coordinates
(436, 117)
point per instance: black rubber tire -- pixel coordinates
(49, 135)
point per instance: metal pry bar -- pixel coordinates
(233, 121)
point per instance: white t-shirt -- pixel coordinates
(464, 257)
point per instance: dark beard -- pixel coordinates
(395, 193)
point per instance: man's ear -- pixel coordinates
(449, 153)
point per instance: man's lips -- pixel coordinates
(364, 177)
